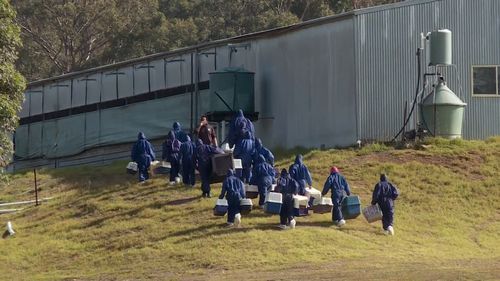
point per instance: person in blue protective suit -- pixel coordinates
(234, 191)
(384, 195)
(143, 154)
(261, 150)
(179, 134)
(238, 129)
(338, 185)
(299, 172)
(204, 164)
(188, 149)
(243, 150)
(288, 187)
(171, 153)
(262, 176)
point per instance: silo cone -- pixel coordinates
(443, 112)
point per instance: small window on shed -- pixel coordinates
(485, 80)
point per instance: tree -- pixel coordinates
(74, 34)
(12, 83)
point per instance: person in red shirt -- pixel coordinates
(206, 132)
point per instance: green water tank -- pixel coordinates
(440, 47)
(442, 112)
(233, 85)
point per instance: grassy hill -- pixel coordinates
(102, 225)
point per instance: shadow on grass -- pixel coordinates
(134, 212)
(182, 201)
(215, 230)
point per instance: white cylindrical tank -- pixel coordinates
(440, 49)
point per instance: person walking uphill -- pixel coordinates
(288, 187)
(188, 149)
(238, 129)
(171, 150)
(143, 154)
(262, 176)
(299, 172)
(243, 150)
(204, 164)
(261, 150)
(179, 134)
(384, 195)
(234, 191)
(338, 185)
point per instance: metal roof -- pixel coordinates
(236, 39)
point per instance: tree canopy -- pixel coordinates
(12, 83)
(62, 36)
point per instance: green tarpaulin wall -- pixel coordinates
(76, 133)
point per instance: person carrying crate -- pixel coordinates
(262, 176)
(384, 195)
(338, 185)
(288, 187)
(234, 191)
(299, 172)
(142, 153)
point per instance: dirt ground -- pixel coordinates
(348, 270)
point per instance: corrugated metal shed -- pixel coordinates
(329, 81)
(386, 43)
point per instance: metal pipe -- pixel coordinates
(36, 188)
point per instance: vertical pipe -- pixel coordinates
(196, 85)
(191, 117)
(36, 188)
(405, 113)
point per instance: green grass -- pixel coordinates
(104, 226)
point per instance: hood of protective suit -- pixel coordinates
(141, 136)
(298, 159)
(230, 173)
(188, 138)
(258, 143)
(383, 177)
(284, 173)
(171, 135)
(248, 135)
(199, 142)
(239, 113)
(177, 126)
(261, 159)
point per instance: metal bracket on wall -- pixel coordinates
(116, 73)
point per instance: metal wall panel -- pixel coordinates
(207, 63)
(142, 78)
(185, 67)
(126, 81)
(94, 86)
(36, 100)
(50, 98)
(387, 40)
(304, 87)
(222, 57)
(109, 85)
(174, 70)
(64, 94)
(79, 91)
(157, 74)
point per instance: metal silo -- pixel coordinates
(442, 112)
